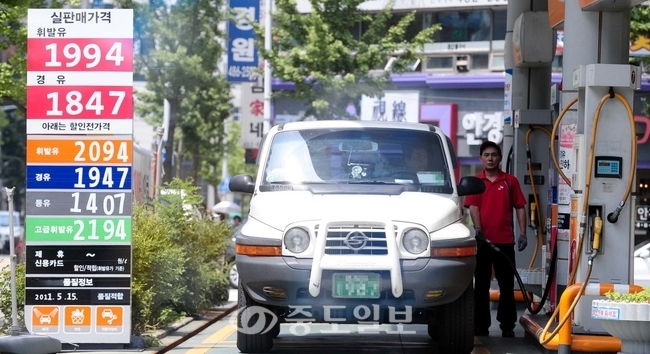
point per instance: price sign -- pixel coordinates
(112, 150)
(78, 228)
(87, 102)
(78, 177)
(99, 203)
(80, 54)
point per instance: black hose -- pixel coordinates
(509, 160)
(547, 288)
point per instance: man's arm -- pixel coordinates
(476, 218)
(521, 217)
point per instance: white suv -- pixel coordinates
(356, 221)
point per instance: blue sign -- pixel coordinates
(78, 177)
(224, 186)
(243, 58)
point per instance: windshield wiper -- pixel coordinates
(370, 182)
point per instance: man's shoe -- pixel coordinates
(481, 332)
(508, 334)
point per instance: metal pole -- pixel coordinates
(15, 330)
(268, 76)
(159, 135)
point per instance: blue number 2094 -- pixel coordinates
(79, 177)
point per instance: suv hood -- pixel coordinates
(279, 209)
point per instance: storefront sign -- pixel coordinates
(252, 117)
(394, 106)
(243, 58)
(642, 217)
(481, 126)
(79, 190)
(304, 6)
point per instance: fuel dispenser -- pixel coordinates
(602, 179)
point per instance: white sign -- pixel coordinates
(393, 106)
(480, 126)
(252, 117)
(304, 6)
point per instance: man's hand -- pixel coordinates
(522, 242)
(480, 239)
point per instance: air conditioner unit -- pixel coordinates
(462, 63)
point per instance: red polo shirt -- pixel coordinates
(495, 206)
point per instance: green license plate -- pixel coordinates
(358, 286)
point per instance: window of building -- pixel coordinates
(499, 25)
(480, 61)
(497, 62)
(440, 63)
(460, 26)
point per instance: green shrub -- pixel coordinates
(156, 273)
(203, 241)
(641, 297)
(178, 264)
(5, 297)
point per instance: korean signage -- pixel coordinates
(480, 126)
(252, 117)
(395, 106)
(79, 156)
(243, 59)
(642, 217)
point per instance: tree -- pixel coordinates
(180, 64)
(327, 64)
(13, 81)
(640, 35)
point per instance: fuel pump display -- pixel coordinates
(608, 167)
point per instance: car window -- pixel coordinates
(343, 156)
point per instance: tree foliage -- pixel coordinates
(13, 82)
(640, 21)
(328, 64)
(180, 54)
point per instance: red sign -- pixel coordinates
(80, 54)
(114, 102)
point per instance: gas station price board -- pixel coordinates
(79, 162)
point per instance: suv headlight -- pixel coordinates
(296, 240)
(415, 241)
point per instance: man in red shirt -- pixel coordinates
(491, 213)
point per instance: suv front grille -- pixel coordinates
(356, 239)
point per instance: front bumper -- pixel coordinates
(452, 276)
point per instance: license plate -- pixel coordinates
(359, 286)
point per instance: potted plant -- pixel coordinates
(626, 317)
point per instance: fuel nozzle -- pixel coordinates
(598, 229)
(533, 215)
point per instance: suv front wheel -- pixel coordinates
(255, 336)
(454, 325)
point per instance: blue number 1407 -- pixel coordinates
(96, 177)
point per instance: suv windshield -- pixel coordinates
(364, 156)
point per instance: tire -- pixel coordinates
(233, 276)
(275, 331)
(254, 342)
(454, 326)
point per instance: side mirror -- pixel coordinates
(644, 254)
(242, 183)
(470, 185)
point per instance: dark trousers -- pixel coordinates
(486, 258)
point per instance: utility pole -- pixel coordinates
(268, 74)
